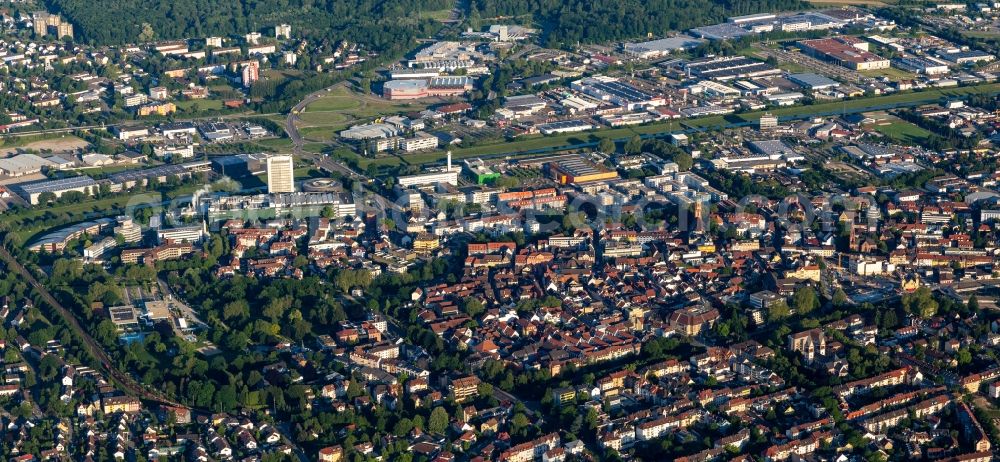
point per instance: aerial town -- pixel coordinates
(436, 233)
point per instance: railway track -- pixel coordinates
(124, 381)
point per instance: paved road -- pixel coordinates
(293, 116)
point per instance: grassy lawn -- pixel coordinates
(904, 132)
(276, 143)
(319, 134)
(983, 34)
(336, 100)
(439, 15)
(892, 73)
(203, 104)
(314, 147)
(348, 103)
(568, 141)
(324, 118)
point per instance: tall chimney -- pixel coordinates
(449, 161)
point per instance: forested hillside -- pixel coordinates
(385, 25)
(570, 21)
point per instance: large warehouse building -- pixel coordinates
(850, 52)
(576, 169)
(32, 191)
(418, 88)
(24, 164)
(617, 92)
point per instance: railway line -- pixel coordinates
(124, 381)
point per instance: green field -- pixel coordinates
(534, 142)
(317, 148)
(319, 134)
(345, 102)
(982, 34)
(892, 73)
(279, 144)
(439, 15)
(904, 132)
(334, 102)
(202, 104)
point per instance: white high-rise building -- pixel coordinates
(280, 174)
(128, 229)
(282, 31)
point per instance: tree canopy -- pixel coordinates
(385, 26)
(567, 22)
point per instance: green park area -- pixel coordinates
(197, 105)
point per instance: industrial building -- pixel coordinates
(369, 132)
(189, 234)
(419, 88)
(658, 48)
(132, 178)
(617, 92)
(31, 192)
(448, 175)
(576, 169)
(813, 81)
(725, 31)
(480, 172)
(850, 52)
(729, 68)
(24, 164)
(565, 126)
(263, 206)
(921, 65)
(965, 56)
